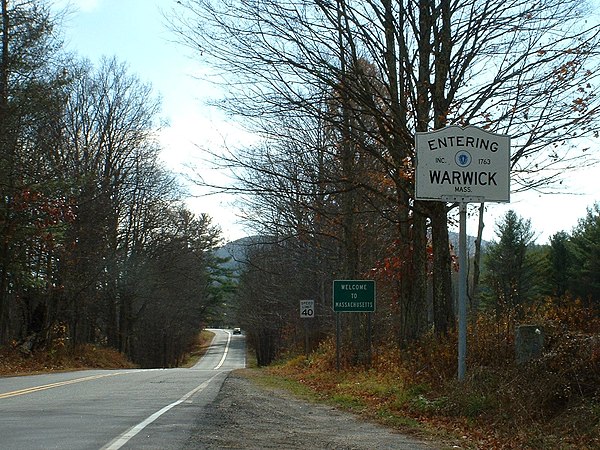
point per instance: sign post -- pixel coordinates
(352, 296)
(307, 311)
(456, 164)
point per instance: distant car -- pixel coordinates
(237, 330)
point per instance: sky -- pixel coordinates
(135, 32)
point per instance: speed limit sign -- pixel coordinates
(307, 309)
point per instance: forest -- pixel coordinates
(520, 281)
(96, 244)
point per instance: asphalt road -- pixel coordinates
(112, 409)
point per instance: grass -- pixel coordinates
(264, 379)
(60, 359)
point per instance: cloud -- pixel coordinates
(78, 5)
(88, 5)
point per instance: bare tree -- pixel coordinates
(109, 124)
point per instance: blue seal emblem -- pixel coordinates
(463, 158)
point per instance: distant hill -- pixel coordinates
(470, 243)
(235, 252)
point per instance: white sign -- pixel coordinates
(307, 309)
(462, 164)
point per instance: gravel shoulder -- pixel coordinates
(245, 415)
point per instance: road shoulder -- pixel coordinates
(247, 416)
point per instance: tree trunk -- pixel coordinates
(443, 304)
(7, 155)
(474, 294)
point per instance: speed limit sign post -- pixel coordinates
(307, 311)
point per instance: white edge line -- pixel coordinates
(225, 352)
(121, 440)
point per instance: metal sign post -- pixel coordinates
(462, 279)
(462, 292)
(456, 164)
(307, 311)
(352, 296)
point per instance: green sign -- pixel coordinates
(354, 296)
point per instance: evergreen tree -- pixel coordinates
(510, 270)
(560, 263)
(584, 274)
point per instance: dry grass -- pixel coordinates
(13, 362)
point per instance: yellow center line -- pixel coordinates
(58, 384)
